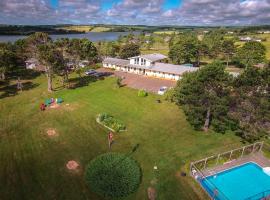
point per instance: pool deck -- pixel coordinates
(257, 158)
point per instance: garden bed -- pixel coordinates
(110, 122)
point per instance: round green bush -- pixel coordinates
(113, 175)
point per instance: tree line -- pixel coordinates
(53, 55)
(188, 48)
(211, 97)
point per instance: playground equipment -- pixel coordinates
(50, 102)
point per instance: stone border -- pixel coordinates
(99, 122)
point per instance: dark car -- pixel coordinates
(90, 72)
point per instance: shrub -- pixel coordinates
(119, 82)
(111, 122)
(142, 93)
(170, 95)
(113, 175)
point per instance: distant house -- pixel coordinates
(263, 32)
(148, 65)
(245, 39)
(248, 39)
(34, 64)
(84, 63)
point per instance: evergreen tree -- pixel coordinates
(185, 50)
(52, 59)
(214, 41)
(251, 53)
(204, 97)
(228, 50)
(129, 50)
(251, 103)
(7, 59)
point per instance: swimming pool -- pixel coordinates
(247, 181)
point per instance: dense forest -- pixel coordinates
(28, 30)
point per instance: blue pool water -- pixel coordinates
(239, 183)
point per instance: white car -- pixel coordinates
(162, 90)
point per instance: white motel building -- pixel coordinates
(149, 65)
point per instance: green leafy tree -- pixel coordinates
(214, 41)
(151, 42)
(185, 50)
(142, 38)
(129, 50)
(204, 97)
(172, 40)
(34, 41)
(62, 45)
(251, 53)
(7, 60)
(251, 105)
(112, 49)
(82, 49)
(20, 47)
(52, 59)
(202, 51)
(228, 50)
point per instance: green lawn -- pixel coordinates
(33, 164)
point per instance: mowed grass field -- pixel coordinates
(33, 164)
(86, 28)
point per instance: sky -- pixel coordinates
(144, 12)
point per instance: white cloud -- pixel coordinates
(151, 12)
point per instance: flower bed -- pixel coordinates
(110, 122)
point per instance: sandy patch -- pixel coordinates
(54, 106)
(72, 165)
(51, 132)
(152, 194)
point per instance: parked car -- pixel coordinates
(99, 74)
(90, 72)
(162, 90)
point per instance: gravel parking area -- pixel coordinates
(147, 83)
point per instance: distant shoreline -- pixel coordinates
(93, 36)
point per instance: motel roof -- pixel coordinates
(172, 69)
(157, 67)
(116, 61)
(151, 57)
(166, 68)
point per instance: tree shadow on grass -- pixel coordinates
(11, 90)
(86, 80)
(81, 82)
(24, 74)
